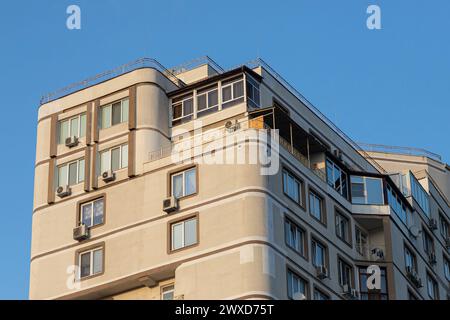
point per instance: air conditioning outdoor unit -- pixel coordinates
(433, 224)
(81, 232)
(63, 191)
(432, 257)
(298, 296)
(71, 141)
(170, 204)
(108, 176)
(231, 125)
(321, 272)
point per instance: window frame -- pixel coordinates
(301, 187)
(290, 271)
(358, 244)
(230, 83)
(67, 164)
(182, 171)
(109, 150)
(344, 263)
(182, 220)
(409, 253)
(91, 251)
(322, 206)
(303, 245)
(181, 100)
(444, 226)
(110, 105)
(428, 242)
(250, 81)
(205, 92)
(69, 128)
(164, 287)
(341, 215)
(320, 292)
(316, 241)
(335, 166)
(435, 287)
(91, 201)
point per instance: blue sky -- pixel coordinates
(386, 86)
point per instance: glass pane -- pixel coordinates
(85, 264)
(168, 293)
(177, 185)
(191, 182)
(238, 89)
(190, 232)
(115, 159)
(177, 236)
(62, 176)
(98, 211)
(177, 111)
(337, 179)
(106, 117)
(73, 174)
(63, 131)
(226, 93)
(116, 113)
(124, 163)
(82, 125)
(188, 107)
(86, 214)
(374, 191)
(98, 261)
(201, 102)
(81, 170)
(125, 110)
(104, 161)
(74, 127)
(213, 98)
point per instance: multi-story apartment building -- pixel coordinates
(117, 216)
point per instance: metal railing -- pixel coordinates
(400, 150)
(109, 74)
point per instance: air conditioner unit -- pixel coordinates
(298, 296)
(81, 232)
(63, 191)
(170, 204)
(432, 257)
(321, 272)
(432, 223)
(108, 176)
(71, 141)
(231, 125)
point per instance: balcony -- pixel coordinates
(303, 146)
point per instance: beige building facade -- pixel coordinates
(157, 184)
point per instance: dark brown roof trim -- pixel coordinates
(215, 78)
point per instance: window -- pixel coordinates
(207, 101)
(291, 187)
(183, 233)
(295, 237)
(447, 268)
(90, 262)
(397, 205)
(316, 206)
(73, 127)
(337, 178)
(345, 272)
(444, 226)
(410, 260)
(343, 227)
(318, 252)
(365, 293)
(295, 285)
(253, 91)
(114, 113)
(361, 241)
(432, 288)
(367, 190)
(420, 195)
(428, 243)
(319, 295)
(232, 92)
(184, 183)
(114, 159)
(70, 173)
(182, 109)
(167, 292)
(92, 212)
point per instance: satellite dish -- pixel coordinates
(299, 296)
(414, 231)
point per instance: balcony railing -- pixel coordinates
(399, 150)
(371, 252)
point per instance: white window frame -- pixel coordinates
(335, 166)
(69, 127)
(232, 90)
(190, 97)
(91, 262)
(183, 233)
(121, 147)
(91, 204)
(295, 277)
(183, 180)
(67, 164)
(206, 94)
(255, 86)
(297, 181)
(109, 105)
(165, 290)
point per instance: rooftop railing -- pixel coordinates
(187, 66)
(400, 150)
(109, 74)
